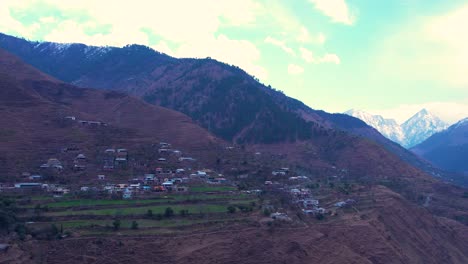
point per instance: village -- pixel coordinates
(87, 192)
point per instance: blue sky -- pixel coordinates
(389, 57)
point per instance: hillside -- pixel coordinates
(221, 98)
(33, 127)
(394, 231)
(447, 149)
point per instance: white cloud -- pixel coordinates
(280, 44)
(241, 53)
(305, 37)
(337, 10)
(191, 27)
(294, 69)
(450, 112)
(309, 57)
(430, 49)
(330, 58)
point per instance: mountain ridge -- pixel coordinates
(413, 131)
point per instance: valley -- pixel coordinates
(194, 161)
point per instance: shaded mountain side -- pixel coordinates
(33, 127)
(221, 98)
(447, 149)
(390, 230)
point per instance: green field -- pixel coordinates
(212, 189)
(163, 199)
(193, 209)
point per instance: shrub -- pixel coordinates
(169, 212)
(231, 209)
(116, 224)
(149, 213)
(134, 225)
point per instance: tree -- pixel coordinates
(134, 225)
(149, 213)
(169, 212)
(183, 212)
(231, 209)
(116, 224)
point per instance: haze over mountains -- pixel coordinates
(412, 132)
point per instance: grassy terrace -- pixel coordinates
(125, 223)
(212, 188)
(192, 208)
(163, 199)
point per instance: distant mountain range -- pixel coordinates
(447, 149)
(415, 130)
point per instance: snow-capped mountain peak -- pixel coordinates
(415, 130)
(387, 127)
(421, 126)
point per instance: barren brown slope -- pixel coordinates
(391, 230)
(33, 128)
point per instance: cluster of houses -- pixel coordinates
(55, 189)
(85, 122)
(52, 163)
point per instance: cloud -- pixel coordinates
(241, 53)
(431, 49)
(450, 112)
(305, 37)
(191, 31)
(337, 10)
(309, 57)
(294, 69)
(280, 44)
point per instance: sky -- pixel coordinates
(388, 57)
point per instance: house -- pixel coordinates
(168, 185)
(310, 203)
(127, 194)
(159, 170)
(149, 177)
(295, 191)
(177, 180)
(4, 247)
(84, 189)
(135, 186)
(60, 191)
(35, 177)
(28, 185)
(180, 171)
(280, 216)
(54, 163)
(314, 211)
(110, 151)
(162, 160)
(181, 188)
(79, 167)
(101, 177)
(164, 145)
(80, 157)
(268, 182)
(121, 186)
(340, 204)
(70, 118)
(201, 174)
(158, 188)
(278, 173)
(186, 159)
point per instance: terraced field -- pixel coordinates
(204, 206)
